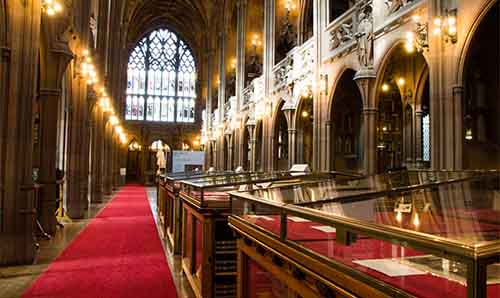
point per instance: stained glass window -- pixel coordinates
(161, 80)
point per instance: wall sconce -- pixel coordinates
(256, 42)
(446, 26)
(419, 38)
(87, 68)
(323, 84)
(289, 6)
(51, 7)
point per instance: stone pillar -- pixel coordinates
(365, 79)
(240, 52)
(267, 142)
(229, 164)
(418, 137)
(18, 71)
(458, 99)
(292, 134)
(55, 63)
(327, 166)
(97, 148)
(49, 100)
(107, 188)
(253, 147)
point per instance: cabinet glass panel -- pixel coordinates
(427, 234)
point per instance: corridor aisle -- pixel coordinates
(119, 254)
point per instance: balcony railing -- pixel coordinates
(296, 66)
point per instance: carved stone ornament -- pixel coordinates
(343, 34)
(395, 5)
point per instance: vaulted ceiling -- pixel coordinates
(194, 20)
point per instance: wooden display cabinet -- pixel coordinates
(169, 204)
(439, 238)
(209, 254)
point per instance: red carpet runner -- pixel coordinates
(119, 254)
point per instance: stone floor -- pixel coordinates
(14, 280)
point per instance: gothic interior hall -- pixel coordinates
(250, 148)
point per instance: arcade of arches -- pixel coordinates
(99, 94)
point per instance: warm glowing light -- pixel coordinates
(436, 31)
(119, 129)
(51, 7)
(196, 143)
(437, 22)
(113, 120)
(305, 114)
(401, 82)
(416, 220)
(452, 21)
(468, 134)
(399, 216)
(385, 87)
(452, 30)
(384, 128)
(416, 18)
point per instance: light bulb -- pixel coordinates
(385, 87)
(401, 82)
(437, 22)
(57, 7)
(436, 31)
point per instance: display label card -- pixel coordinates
(390, 267)
(264, 185)
(298, 219)
(243, 187)
(326, 229)
(403, 208)
(261, 217)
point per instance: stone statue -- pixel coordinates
(365, 40)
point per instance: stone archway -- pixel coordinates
(481, 104)
(280, 149)
(346, 117)
(304, 135)
(399, 94)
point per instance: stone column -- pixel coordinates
(267, 142)
(107, 188)
(365, 79)
(329, 154)
(229, 164)
(19, 65)
(240, 52)
(458, 99)
(49, 100)
(253, 148)
(51, 77)
(97, 148)
(418, 137)
(292, 134)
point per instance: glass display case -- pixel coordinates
(169, 205)
(430, 237)
(208, 244)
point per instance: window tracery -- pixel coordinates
(161, 80)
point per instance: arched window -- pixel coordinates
(161, 80)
